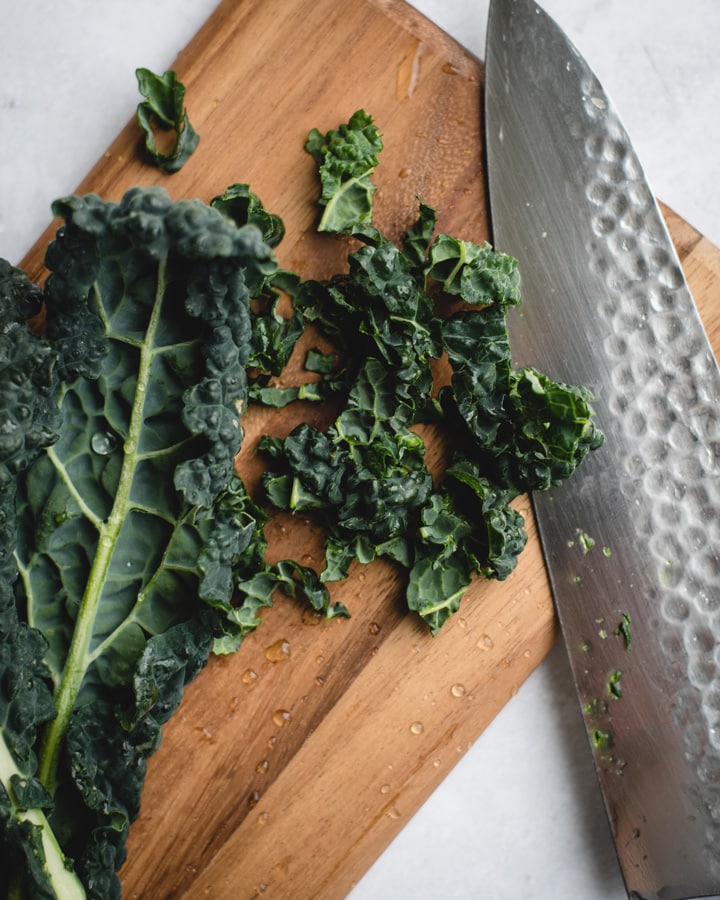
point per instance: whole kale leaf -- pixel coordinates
(122, 522)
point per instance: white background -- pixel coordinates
(520, 815)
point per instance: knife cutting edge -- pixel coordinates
(632, 540)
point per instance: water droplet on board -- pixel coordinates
(417, 728)
(312, 617)
(458, 690)
(485, 642)
(263, 818)
(262, 767)
(374, 628)
(278, 651)
(249, 676)
(385, 789)
(281, 717)
(254, 799)
(103, 442)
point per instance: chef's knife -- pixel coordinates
(632, 539)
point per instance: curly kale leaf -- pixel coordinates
(346, 158)
(27, 844)
(467, 529)
(126, 521)
(28, 424)
(478, 275)
(293, 580)
(164, 108)
(28, 415)
(379, 311)
(554, 427)
(530, 432)
(365, 476)
(419, 237)
(245, 208)
(274, 334)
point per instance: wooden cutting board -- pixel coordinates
(291, 765)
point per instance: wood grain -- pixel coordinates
(291, 765)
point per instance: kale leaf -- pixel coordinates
(123, 523)
(164, 108)
(346, 157)
(28, 424)
(366, 474)
(274, 334)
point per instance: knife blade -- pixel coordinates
(632, 539)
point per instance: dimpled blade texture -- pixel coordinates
(632, 539)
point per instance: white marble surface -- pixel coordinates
(520, 815)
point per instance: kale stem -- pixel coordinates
(64, 881)
(79, 657)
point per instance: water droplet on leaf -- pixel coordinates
(103, 442)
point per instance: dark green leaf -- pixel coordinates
(418, 237)
(127, 528)
(435, 591)
(479, 275)
(346, 158)
(244, 207)
(164, 108)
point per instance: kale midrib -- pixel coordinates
(79, 657)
